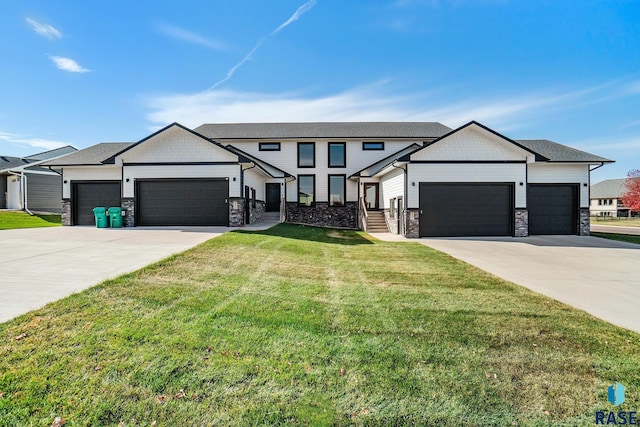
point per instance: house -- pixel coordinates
(606, 199)
(27, 185)
(424, 178)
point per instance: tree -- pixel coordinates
(631, 196)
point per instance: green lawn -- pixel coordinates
(11, 220)
(621, 237)
(622, 222)
(306, 326)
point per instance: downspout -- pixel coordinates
(589, 192)
(23, 190)
(404, 202)
(26, 207)
(283, 209)
(242, 191)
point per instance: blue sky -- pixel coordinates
(80, 73)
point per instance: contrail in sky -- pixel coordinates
(297, 14)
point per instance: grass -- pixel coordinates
(304, 326)
(621, 237)
(622, 221)
(11, 220)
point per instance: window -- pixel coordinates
(269, 146)
(337, 155)
(306, 154)
(306, 190)
(373, 145)
(392, 207)
(253, 197)
(337, 190)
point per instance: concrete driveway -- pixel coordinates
(41, 265)
(597, 275)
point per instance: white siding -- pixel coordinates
(466, 172)
(182, 171)
(287, 160)
(471, 144)
(391, 186)
(88, 173)
(558, 173)
(256, 180)
(176, 145)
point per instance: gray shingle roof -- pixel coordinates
(373, 130)
(376, 167)
(270, 169)
(608, 189)
(93, 155)
(8, 162)
(56, 152)
(560, 153)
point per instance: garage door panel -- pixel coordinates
(188, 202)
(553, 208)
(466, 209)
(88, 195)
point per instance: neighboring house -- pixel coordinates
(606, 199)
(27, 185)
(425, 178)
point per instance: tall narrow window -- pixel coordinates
(337, 190)
(306, 154)
(337, 155)
(306, 190)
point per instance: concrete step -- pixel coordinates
(376, 222)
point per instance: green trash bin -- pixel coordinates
(115, 215)
(101, 217)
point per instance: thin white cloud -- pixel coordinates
(44, 30)
(191, 37)
(613, 144)
(634, 87)
(68, 64)
(296, 15)
(38, 143)
(631, 124)
(367, 103)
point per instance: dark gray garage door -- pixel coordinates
(553, 208)
(88, 195)
(182, 202)
(466, 209)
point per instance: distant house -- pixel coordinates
(418, 179)
(605, 199)
(27, 185)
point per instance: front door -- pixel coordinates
(372, 195)
(273, 197)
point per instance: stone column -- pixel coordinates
(129, 206)
(236, 212)
(522, 223)
(65, 218)
(585, 224)
(412, 223)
